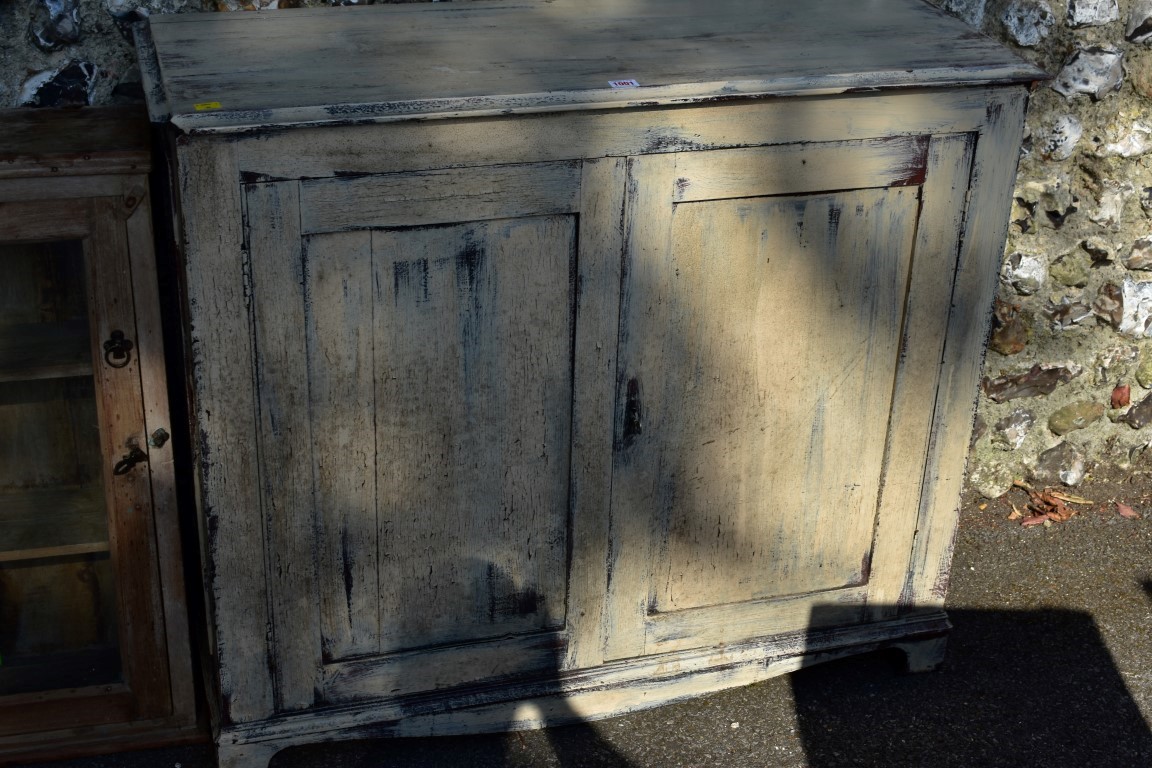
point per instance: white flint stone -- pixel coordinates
(1092, 13)
(33, 84)
(1025, 273)
(1139, 29)
(1028, 21)
(971, 12)
(1133, 144)
(1073, 474)
(1113, 196)
(1058, 140)
(1137, 309)
(1095, 71)
(1011, 431)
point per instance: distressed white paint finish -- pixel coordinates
(419, 146)
(760, 337)
(421, 61)
(592, 409)
(473, 332)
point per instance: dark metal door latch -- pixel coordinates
(131, 459)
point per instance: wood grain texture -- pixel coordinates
(473, 427)
(224, 407)
(439, 197)
(38, 221)
(68, 187)
(521, 657)
(352, 150)
(552, 56)
(588, 695)
(943, 201)
(796, 169)
(732, 513)
(600, 263)
(285, 439)
(134, 203)
(985, 226)
(120, 408)
(59, 143)
(338, 303)
(647, 238)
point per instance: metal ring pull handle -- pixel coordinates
(117, 350)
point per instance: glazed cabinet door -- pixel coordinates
(82, 640)
(434, 356)
(783, 317)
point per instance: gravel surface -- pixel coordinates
(1050, 664)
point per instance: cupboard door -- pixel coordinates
(782, 322)
(81, 632)
(418, 340)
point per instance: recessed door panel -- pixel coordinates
(763, 344)
(779, 362)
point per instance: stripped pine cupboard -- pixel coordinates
(94, 646)
(522, 399)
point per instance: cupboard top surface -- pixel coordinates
(60, 142)
(219, 72)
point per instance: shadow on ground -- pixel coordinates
(1019, 688)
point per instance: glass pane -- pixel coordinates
(57, 597)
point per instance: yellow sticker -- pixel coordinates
(204, 106)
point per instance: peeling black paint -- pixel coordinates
(253, 177)
(346, 565)
(470, 262)
(833, 223)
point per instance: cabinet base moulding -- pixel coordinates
(608, 691)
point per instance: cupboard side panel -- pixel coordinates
(937, 243)
(473, 339)
(284, 447)
(224, 425)
(985, 227)
(339, 316)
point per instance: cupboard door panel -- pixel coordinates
(473, 331)
(762, 337)
(416, 389)
(80, 592)
(783, 320)
(338, 286)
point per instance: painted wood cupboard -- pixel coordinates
(554, 360)
(94, 651)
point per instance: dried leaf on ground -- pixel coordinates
(1067, 497)
(1126, 511)
(1048, 506)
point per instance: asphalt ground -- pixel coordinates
(1049, 664)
